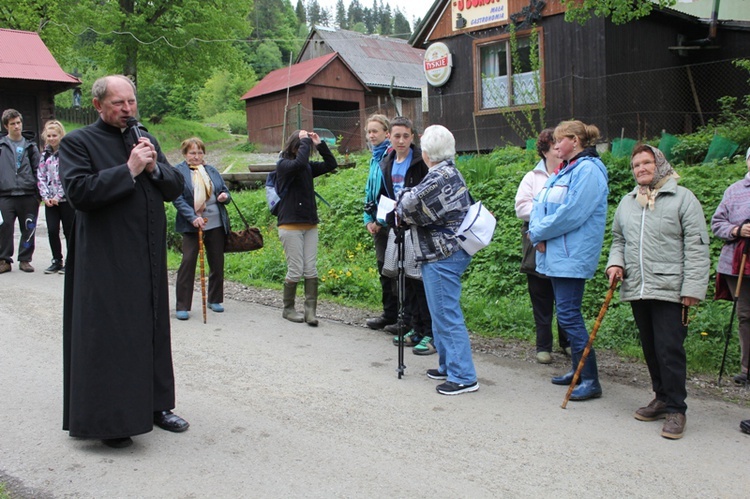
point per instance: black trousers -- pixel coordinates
(543, 304)
(387, 284)
(62, 213)
(213, 244)
(417, 313)
(662, 337)
(24, 209)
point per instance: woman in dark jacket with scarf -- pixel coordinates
(403, 167)
(298, 218)
(201, 205)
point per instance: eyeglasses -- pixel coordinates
(196, 153)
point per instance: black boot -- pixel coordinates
(311, 301)
(589, 388)
(289, 313)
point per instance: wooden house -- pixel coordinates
(515, 66)
(275, 104)
(338, 79)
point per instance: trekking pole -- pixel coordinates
(203, 272)
(400, 244)
(586, 350)
(734, 308)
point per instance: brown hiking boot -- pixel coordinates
(4, 267)
(674, 426)
(26, 267)
(656, 409)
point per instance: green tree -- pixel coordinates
(341, 20)
(313, 12)
(401, 27)
(301, 12)
(325, 17)
(267, 58)
(222, 92)
(386, 20)
(619, 11)
(123, 36)
(354, 13)
(276, 21)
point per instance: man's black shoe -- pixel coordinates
(745, 426)
(379, 322)
(118, 443)
(54, 268)
(166, 420)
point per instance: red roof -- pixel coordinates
(24, 56)
(292, 76)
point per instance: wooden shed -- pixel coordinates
(390, 67)
(325, 83)
(30, 77)
(662, 72)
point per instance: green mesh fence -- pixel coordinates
(531, 144)
(667, 142)
(623, 148)
(720, 148)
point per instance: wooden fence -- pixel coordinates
(81, 115)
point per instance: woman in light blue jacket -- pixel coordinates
(567, 228)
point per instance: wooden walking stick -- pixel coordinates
(203, 272)
(586, 350)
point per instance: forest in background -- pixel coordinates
(191, 59)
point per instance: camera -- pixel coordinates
(371, 208)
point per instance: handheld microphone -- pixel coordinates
(133, 124)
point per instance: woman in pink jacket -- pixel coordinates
(540, 287)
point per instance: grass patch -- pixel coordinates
(495, 296)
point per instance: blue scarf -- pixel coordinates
(379, 150)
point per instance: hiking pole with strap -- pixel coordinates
(401, 280)
(586, 350)
(734, 306)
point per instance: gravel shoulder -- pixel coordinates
(613, 367)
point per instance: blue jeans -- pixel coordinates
(568, 298)
(442, 285)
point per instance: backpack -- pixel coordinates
(273, 197)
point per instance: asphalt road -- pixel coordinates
(285, 410)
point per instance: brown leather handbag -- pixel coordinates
(247, 239)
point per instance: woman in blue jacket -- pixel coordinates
(201, 205)
(567, 225)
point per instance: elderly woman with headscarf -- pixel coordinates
(660, 252)
(731, 223)
(435, 209)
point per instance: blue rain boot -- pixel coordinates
(589, 388)
(567, 378)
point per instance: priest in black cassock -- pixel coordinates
(118, 377)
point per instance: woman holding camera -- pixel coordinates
(298, 218)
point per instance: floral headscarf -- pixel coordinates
(646, 195)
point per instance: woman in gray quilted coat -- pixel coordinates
(660, 252)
